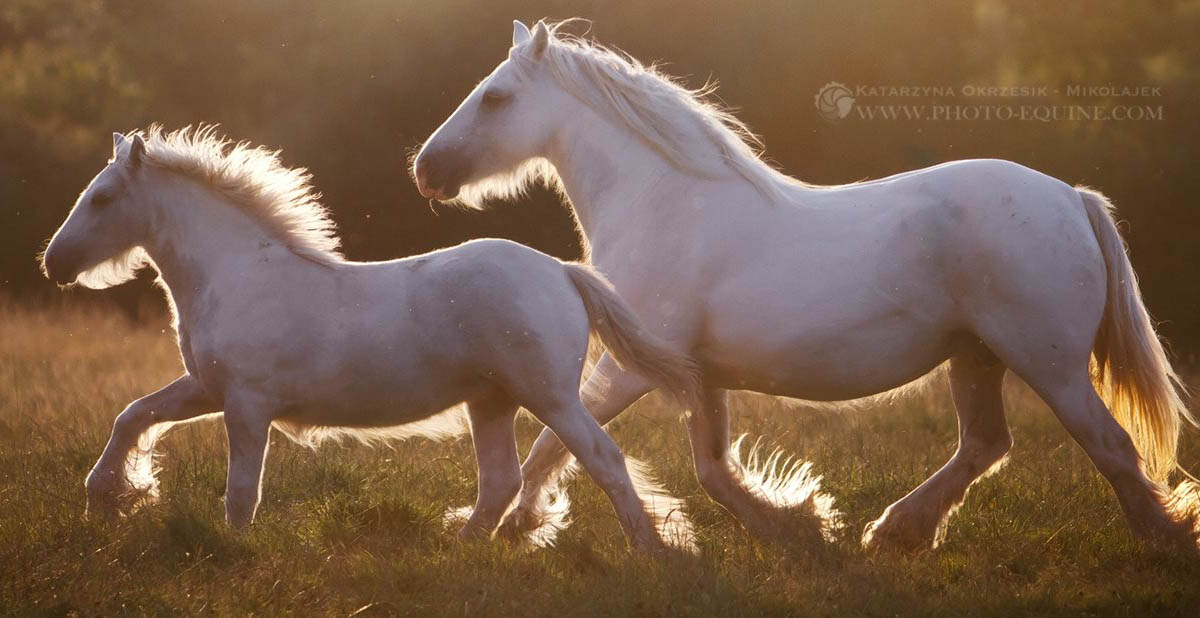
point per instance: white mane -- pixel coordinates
(509, 185)
(278, 197)
(115, 270)
(689, 129)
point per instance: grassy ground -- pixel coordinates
(352, 529)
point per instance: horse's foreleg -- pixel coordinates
(607, 392)
(721, 478)
(248, 435)
(917, 521)
(123, 476)
(499, 466)
(781, 500)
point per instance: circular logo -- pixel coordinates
(834, 101)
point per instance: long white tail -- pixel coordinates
(1131, 369)
(634, 348)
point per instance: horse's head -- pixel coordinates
(506, 121)
(100, 239)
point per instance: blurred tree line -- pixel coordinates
(348, 88)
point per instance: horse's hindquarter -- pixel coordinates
(509, 314)
(1027, 268)
(863, 288)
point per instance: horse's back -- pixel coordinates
(494, 294)
(382, 343)
(868, 281)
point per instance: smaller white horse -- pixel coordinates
(276, 329)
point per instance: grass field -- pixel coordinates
(350, 529)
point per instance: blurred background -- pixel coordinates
(348, 88)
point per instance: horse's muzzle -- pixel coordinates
(59, 267)
(437, 175)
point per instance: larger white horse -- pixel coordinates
(276, 329)
(824, 293)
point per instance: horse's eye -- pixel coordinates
(101, 200)
(493, 97)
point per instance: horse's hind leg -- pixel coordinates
(603, 461)
(609, 391)
(766, 511)
(1051, 355)
(123, 476)
(917, 521)
(1077, 405)
(499, 467)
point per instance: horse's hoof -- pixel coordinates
(516, 526)
(1177, 538)
(104, 494)
(891, 534)
(472, 533)
(102, 508)
(110, 494)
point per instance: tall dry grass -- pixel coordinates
(350, 527)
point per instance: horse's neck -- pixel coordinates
(200, 241)
(625, 192)
(614, 180)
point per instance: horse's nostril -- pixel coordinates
(56, 268)
(422, 172)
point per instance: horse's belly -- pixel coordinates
(366, 398)
(830, 364)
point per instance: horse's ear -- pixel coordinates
(137, 148)
(118, 140)
(540, 38)
(520, 33)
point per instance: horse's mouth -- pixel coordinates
(436, 193)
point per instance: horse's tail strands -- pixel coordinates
(634, 348)
(1131, 370)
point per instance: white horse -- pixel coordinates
(276, 329)
(823, 293)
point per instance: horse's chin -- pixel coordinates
(443, 195)
(436, 193)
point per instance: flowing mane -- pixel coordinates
(278, 197)
(689, 128)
